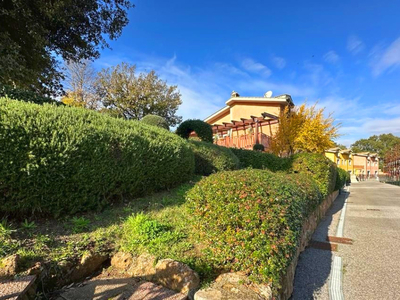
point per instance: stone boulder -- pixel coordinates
(234, 286)
(140, 266)
(143, 266)
(9, 266)
(176, 276)
(89, 263)
(122, 261)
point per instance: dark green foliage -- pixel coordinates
(342, 178)
(35, 33)
(251, 220)
(318, 167)
(155, 121)
(63, 160)
(210, 158)
(377, 143)
(202, 129)
(24, 95)
(258, 147)
(261, 160)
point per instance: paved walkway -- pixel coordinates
(371, 265)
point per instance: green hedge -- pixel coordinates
(342, 178)
(318, 167)
(258, 147)
(261, 160)
(202, 129)
(251, 220)
(155, 121)
(58, 159)
(24, 95)
(210, 158)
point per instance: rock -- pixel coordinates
(176, 276)
(35, 270)
(89, 263)
(9, 266)
(143, 266)
(122, 261)
(140, 266)
(234, 286)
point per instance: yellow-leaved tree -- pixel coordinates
(304, 129)
(72, 99)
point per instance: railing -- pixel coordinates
(246, 141)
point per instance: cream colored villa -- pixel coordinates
(246, 121)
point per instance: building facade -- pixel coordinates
(245, 121)
(363, 165)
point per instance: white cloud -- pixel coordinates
(386, 59)
(255, 67)
(205, 89)
(316, 75)
(331, 57)
(355, 45)
(279, 62)
(379, 126)
(256, 85)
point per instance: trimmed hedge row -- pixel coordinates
(318, 167)
(64, 160)
(155, 121)
(342, 178)
(251, 220)
(201, 128)
(24, 95)
(260, 160)
(210, 158)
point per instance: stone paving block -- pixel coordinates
(15, 288)
(119, 289)
(151, 291)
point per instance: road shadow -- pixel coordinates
(314, 265)
(116, 288)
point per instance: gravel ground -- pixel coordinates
(314, 266)
(372, 263)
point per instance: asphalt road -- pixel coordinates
(371, 265)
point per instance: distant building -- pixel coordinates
(362, 165)
(245, 121)
(392, 163)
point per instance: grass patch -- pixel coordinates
(157, 224)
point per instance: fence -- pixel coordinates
(245, 141)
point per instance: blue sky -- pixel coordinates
(344, 54)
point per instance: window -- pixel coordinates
(349, 162)
(338, 161)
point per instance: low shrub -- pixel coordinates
(24, 95)
(318, 167)
(260, 160)
(58, 159)
(155, 121)
(251, 220)
(342, 178)
(258, 147)
(201, 128)
(210, 158)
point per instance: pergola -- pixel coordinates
(243, 124)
